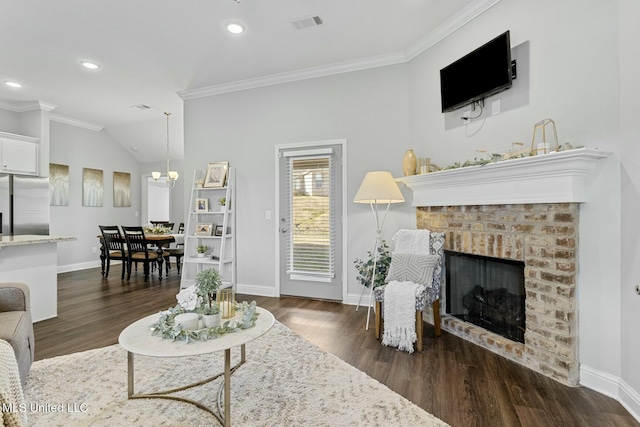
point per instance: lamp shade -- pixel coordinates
(378, 187)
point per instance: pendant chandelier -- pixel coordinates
(172, 176)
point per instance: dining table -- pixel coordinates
(158, 240)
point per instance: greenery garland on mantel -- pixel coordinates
(496, 158)
(166, 327)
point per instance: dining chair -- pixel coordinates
(138, 250)
(114, 247)
(175, 252)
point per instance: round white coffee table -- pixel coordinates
(137, 339)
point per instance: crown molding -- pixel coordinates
(74, 122)
(473, 10)
(24, 106)
(460, 19)
(305, 74)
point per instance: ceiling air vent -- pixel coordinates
(307, 22)
(140, 107)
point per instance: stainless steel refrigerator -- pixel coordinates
(24, 205)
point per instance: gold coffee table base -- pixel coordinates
(222, 415)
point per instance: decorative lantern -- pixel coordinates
(227, 302)
(541, 145)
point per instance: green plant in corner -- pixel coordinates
(207, 283)
(222, 201)
(365, 268)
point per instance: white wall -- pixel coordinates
(368, 108)
(9, 122)
(582, 72)
(81, 148)
(630, 158)
(570, 71)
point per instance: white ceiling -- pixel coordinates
(151, 50)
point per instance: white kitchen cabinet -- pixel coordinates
(18, 154)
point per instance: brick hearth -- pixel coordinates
(545, 237)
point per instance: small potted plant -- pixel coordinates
(211, 314)
(222, 201)
(202, 250)
(207, 283)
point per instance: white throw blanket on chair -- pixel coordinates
(412, 241)
(400, 314)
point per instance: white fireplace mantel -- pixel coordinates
(548, 178)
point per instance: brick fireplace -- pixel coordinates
(524, 210)
(543, 236)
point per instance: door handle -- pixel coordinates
(283, 230)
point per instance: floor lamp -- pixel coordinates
(377, 188)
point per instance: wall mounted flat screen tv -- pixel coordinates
(477, 75)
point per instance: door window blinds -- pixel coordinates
(311, 209)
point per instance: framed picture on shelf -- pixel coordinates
(218, 231)
(216, 175)
(202, 205)
(203, 229)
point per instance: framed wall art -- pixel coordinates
(92, 187)
(58, 185)
(216, 176)
(121, 189)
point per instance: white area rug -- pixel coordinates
(286, 381)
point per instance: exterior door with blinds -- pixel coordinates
(310, 222)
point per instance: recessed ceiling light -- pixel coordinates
(235, 27)
(12, 84)
(90, 65)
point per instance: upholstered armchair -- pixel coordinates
(430, 295)
(16, 326)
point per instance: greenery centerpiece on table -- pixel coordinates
(156, 229)
(365, 267)
(199, 298)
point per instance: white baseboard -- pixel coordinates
(611, 386)
(263, 291)
(80, 266)
(354, 299)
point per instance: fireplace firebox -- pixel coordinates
(488, 292)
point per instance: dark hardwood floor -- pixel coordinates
(453, 379)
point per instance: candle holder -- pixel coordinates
(227, 301)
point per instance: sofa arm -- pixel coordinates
(14, 297)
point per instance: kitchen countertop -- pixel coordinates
(31, 239)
